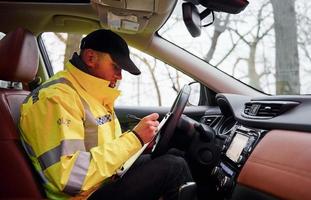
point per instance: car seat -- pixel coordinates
(19, 60)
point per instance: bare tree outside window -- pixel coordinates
(267, 46)
(286, 47)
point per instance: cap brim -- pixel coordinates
(126, 64)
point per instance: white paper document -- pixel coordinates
(123, 169)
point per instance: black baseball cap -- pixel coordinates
(109, 42)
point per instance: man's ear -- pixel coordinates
(89, 57)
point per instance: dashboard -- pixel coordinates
(265, 151)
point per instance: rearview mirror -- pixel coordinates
(228, 6)
(192, 19)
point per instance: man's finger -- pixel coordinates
(153, 116)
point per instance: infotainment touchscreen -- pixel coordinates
(236, 147)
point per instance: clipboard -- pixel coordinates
(126, 166)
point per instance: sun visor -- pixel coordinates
(129, 16)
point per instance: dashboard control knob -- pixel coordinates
(226, 183)
(216, 171)
(241, 159)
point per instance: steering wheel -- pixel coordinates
(167, 131)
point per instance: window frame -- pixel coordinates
(45, 56)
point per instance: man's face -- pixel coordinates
(105, 68)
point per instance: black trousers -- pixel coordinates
(148, 179)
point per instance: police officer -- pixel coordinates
(73, 137)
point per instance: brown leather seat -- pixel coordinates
(19, 63)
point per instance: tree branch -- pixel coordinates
(151, 70)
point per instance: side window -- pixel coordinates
(158, 84)
(60, 47)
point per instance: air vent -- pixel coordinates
(267, 109)
(271, 110)
(211, 120)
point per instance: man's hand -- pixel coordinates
(147, 126)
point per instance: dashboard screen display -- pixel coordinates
(236, 147)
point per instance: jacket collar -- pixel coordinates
(78, 63)
(96, 87)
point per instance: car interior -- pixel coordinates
(239, 141)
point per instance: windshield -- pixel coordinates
(267, 46)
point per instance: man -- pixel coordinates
(71, 133)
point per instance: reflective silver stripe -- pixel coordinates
(90, 125)
(28, 148)
(90, 128)
(35, 92)
(30, 153)
(78, 174)
(66, 147)
(43, 178)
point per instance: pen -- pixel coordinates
(130, 116)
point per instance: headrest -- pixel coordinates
(19, 56)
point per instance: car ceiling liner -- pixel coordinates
(132, 16)
(128, 16)
(193, 18)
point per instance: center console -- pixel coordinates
(235, 151)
